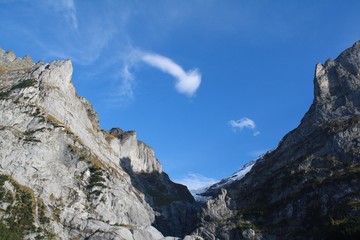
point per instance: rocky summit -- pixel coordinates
(62, 177)
(309, 186)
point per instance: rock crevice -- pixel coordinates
(308, 187)
(51, 146)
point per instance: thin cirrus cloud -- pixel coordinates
(186, 82)
(126, 88)
(239, 125)
(84, 39)
(71, 33)
(67, 7)
(70, 9)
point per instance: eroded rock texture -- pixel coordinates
(61, 177)
(309, 186)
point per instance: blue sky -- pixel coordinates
(208, 84)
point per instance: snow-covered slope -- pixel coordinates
(236, 176)
(199, 194)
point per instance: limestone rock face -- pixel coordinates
(61, 177)
(308, 187)
(139, 156)
(176, 210)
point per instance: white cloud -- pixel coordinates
(256, 133)
(187, 82)
(244, 123)
(70, 10)
(126, 87)
(121, 85)
(196, 181)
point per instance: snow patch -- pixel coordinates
(236, 176)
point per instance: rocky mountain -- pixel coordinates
(309, 186)
(62, 177)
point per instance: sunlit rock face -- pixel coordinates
(61, 177)
(309, 186)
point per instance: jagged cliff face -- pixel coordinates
(309, 186)
(176, 210)
(61, 177)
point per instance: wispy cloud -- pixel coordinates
(84, 34)
(68, 8)
(187, 82)
(130, 59)
(122, 93)
(239, 125)
(256, 133)
(196, 181)
(242, 123)
(126, 88)
(81, 35)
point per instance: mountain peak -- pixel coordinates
(308, 187)
(9, 61)
(337, 86)
(78, 181)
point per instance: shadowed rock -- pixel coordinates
(309, 186)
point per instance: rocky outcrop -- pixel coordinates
(309, 186)
(61, 177)
(135, 154)
(176, 209)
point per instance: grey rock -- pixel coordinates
(308, 187)
(9, 61)
(69, 172)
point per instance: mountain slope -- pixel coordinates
(309, 186)
(61, 177)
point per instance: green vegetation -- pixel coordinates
(347, 228)
(41, 211)
(28, 135)
(21, 214)
(338, 126)
(85, 155)
(18, 218)
(57, 123)
(58, 205)
(24, 84)
(96, 179)
(243, 225)
(4, 94)
(2, 69)
(7, 233)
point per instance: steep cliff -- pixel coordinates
(309, 186)
(61, 177)
(176, 210)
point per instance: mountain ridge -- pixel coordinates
(52, 149)
(62, 177)
(307, 187)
